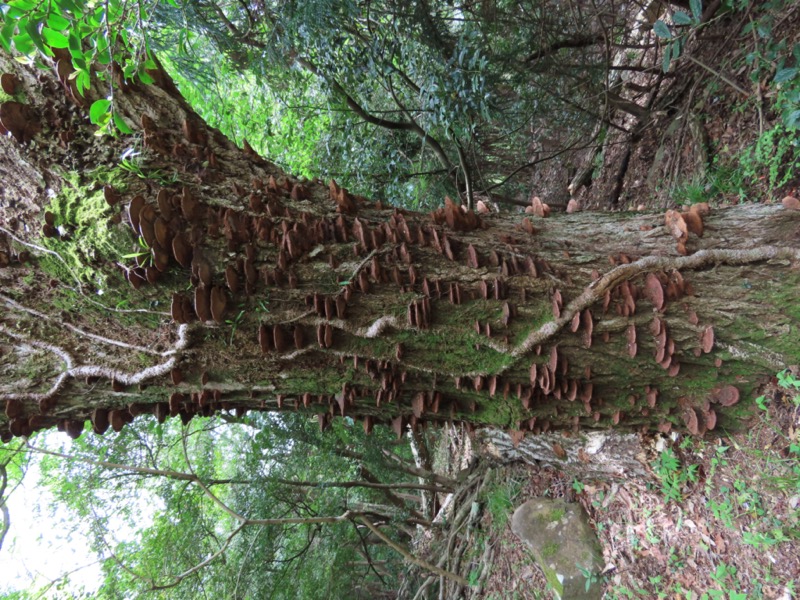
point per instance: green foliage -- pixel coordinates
(160, 526)
(789, 480)
(774, 159)
(723, 181)
(789, 381)
(244, 106)
(591, 577)
(675, 36)
(95, 36)
(500, 499)
(14, 463)
(674, 476)
(433, 80)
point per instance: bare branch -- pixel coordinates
(579, 41)
(410, 557)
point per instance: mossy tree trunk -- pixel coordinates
(337, 305)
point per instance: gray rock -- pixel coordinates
(563, 543)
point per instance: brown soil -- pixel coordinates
(734, 532)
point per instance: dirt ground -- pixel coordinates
(723, 522)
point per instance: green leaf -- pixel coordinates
(82, 81)
(22, 4)
(121, 124)
(57, 22)
(70, 6)
(681, 18)
(697, 8)
(145, 78)
(32, 29)
(661, 30)
(23, 43)
(676, 50)
(665, 63)
(785, 75)
(75, 45)
(792, 120)
(98, 109)
(96, 20)
(6, 33)
(55, 39)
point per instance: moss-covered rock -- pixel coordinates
(564, 545)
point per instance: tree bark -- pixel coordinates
(337, 306)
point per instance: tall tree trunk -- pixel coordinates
(256, 291)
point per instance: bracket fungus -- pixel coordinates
(538, 208)
(19, 120)
(707, 339)
(727, 395)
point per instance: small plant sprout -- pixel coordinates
(234, 323)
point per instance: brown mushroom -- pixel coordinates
(18, 120)
(177, 309)
(9, 83)
(588, 327)
(299, 337)
(117, 420)
(652, 395)
(182, 251)
(707, 339)
(135, 207)
(690, 419)
(219, 301)
(676, 225)
(265, 338)
(791, 203)
(711, 419)
(160, 258)
(202, 303)
(280, 339)
(654, 291)
(472, 257)
(14, 408)
(727, 395)
(100, 421)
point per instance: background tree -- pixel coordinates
(446, 95)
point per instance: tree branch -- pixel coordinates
(411, 126)
(579, 41)
(371, 483)
(6, 524)
(410, 557)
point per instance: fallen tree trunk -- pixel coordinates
(250, 290)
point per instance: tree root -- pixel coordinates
(72, 371)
